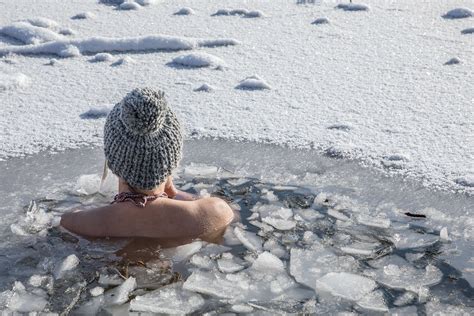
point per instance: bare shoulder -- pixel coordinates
(217, 212)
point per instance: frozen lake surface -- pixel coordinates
(317, 235)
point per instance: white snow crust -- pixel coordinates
(365, 73)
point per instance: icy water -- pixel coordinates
(317, 235)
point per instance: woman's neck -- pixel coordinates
(124, 187)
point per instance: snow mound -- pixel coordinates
(466, 181)
(127, 60)
(66, 31)
(322, 20)
(145, 3)
(353, 7)
(242, 12)
(469, 30)
(205, 88)
(14, 81)
(69, 51)
(253, 83)
(198, 59)
(43, 22)
(185, 11)
(97, 112)
(83, 16)
(93, 45)
(101, 57)
(458, 13)
(129, 6)
(29, 33)
(453, 61)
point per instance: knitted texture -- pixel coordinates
(142, 139)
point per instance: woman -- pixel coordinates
(143, 144)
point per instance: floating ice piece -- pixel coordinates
(83, 16)
(253, 83)
(129, 5)
(322, 20)
(120, 294)
(214, 249)
(338, 215)
(443, 234)
(268, 263)
(96, 291)
(87, 184)
(35, 222)
(68, 264)
(241, 308)
(21, 301)
(350, 286)
(171, 299)
(309, 215)
(466, 181)
(38, 280)
(93, 45)
(361, 248)
(373, 221)
(229, 237)
(13, 81)
(353, 7)
(307, 266)
(248, 239)
(215, 284)
(275, 248)
(205, 88)
(101, 57)
(30, 34)
(97, 112)
(469, 30)
(374, 301)
(183, 252)
(108, 280)
(404, 299)
(280, 224)
(200, 170)
(413, 240)
(198, 60)
(395, 272)
(228, 264)
(202, 262)
(185, 11)
(437, 308)
(458, 13)
(453, 61)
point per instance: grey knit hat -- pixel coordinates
(142, 139)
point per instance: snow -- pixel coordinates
(467, 181)
(104, 44)
(253, 83)
(185, 11)
(198, 59)
(83, 16)
(124, 61)
(322, 20)
(97, 291)
(458, 13)
(171, 300)
(30, 34)
(101, 57)
(346, 285)
(205, 88)
(43, 22)
(374, 301)
(13, 81)
(353, 7)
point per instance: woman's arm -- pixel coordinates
(176, 194)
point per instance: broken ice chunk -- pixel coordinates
(308, 265)
(230, 238)
(119, 294)
(275, 248)
(338, 215)
(171, 299)
(228, 264)
(350, 286)
(202, 262)
(374, 301)
(443, 234)
(183, 252)
(107, 280)
(280, 224)
(68, 264)
(373, 221)
(19, 300)
(97, 291)
(248, 239)
(413, 240)
(361, 248)
(87, 184)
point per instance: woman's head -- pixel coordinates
(142, 139)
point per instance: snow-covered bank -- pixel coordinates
(381, 72)
(318, 235)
